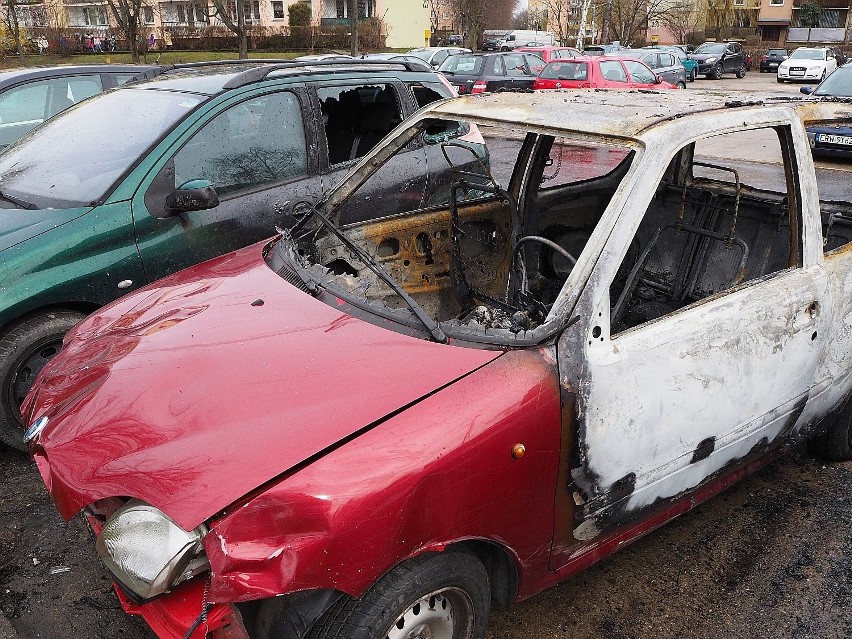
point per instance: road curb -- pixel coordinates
(6, 629)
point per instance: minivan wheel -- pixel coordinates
(741, 72)
(440, 596)
(24, 351)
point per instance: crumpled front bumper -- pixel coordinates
(173, 614)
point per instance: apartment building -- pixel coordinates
(406, 21)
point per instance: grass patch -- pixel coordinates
(155, 57)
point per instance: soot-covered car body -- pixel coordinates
(521, 334)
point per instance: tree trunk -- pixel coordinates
(241, 29)
(15, 28)
(353, 16)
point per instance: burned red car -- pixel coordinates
(525, 331)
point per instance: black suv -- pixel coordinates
(492, 72)
(716, 58)
(769, 62)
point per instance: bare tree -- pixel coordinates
(470, 16)
(627, 20)
(718, 15)
(558, 18)
(234, 20)
(128, 16)
(683, 22)
(11, 21)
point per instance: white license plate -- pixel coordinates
(796, 72)
(834, 139)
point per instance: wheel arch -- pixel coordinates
(500, 564)
(85, 308)
(292, 616)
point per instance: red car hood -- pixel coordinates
(194, 391)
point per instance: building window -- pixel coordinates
(740, 3)
(94, 16)
(278, 10)
(341, 8)
(776, 3)
(148, 15)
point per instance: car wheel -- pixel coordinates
(779, 80)
(822, 77)
(681, 85)
(440, 596)
(693, 75)
(24, 350)
(741, 71)
(716, 72)
(835, 444)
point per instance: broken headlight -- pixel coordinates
(147, 551)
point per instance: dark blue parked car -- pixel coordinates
(834, 139)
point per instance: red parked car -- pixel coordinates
(549, 54)
(599, 72)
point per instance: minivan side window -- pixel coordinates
(24, 107)
(256, 142)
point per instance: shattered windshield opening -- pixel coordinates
(465, 230)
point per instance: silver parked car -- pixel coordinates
(664, 63)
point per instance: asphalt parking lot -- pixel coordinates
(771, 556)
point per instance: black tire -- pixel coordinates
(716, 72)
(693, 75)
(835, 444)
(447, 592)
(24, 350)
(741, 72)
(681, 85)
(779, 80)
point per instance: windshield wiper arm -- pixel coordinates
(18, 202)
(431, 325)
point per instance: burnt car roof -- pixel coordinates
(618, 113)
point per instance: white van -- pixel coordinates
(523, 38)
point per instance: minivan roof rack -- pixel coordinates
(258, 74)
(160, 70)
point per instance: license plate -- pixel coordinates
(834, 139)
(797, 72)
(772, 65)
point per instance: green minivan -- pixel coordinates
(157, 175)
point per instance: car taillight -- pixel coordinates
(763, 59)
(479, 86)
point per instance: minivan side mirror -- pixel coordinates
(194, 195)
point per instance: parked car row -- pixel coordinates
(524, 69)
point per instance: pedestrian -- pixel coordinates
(96, 43)
(41, 44)
(112, 46)
(152, 41)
